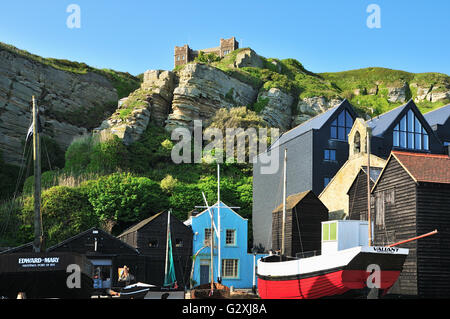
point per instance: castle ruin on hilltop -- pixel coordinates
(185, 54)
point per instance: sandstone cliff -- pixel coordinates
(59, 94)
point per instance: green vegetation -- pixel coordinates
(107, 184)
(137, 99)
(207, 57)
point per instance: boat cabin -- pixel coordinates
(343, 234)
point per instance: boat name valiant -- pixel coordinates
(385, 249)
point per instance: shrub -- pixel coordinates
(108, 156)
(168, 183)
(78, 155)
(66, 211)
(121, 198)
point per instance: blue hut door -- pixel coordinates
(204, 271)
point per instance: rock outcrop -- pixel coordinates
(59, 94)
(398, 94)
(312, 106)
(150, 103)
(431, 93)
(201, 91)
(248, 58)
(278, 110)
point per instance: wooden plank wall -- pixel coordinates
(400, 221)
(433, 255)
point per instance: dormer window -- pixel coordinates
(409, 133)
(341, 126)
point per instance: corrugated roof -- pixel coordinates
(139, 225)
(292, 201)
(433, 168)
(314, 123)
(438, 116)
(382, 122)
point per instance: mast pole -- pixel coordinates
(167, 244)
(219, 264)
(369, 217)
(284, 204)
(38, 236)
(212, 251)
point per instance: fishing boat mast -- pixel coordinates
(167, 244)
(368, 185)
(38, 231)
(219, 262)
(284, 203)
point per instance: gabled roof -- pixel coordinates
(141, 224)
(188, 222)
(90, 230)
(438, 116)
(24, 247)
(432, 168)
(293, 200)
(375, 173)
(381, 123)
(314, 123)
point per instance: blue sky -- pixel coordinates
(325, 36)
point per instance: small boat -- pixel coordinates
(135, 291)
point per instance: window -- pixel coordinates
(207, 236)
(230, 237)
(178, 242)
(357, 143)
(329, 231)
(329, 155)
(182, 57)
(340, 127)
(178, 58)
(230, 268)
(153, 243)
(409, 133)
(326, 180)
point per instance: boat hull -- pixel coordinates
(349, 278)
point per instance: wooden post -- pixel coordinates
(38, 233)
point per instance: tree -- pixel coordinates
(121, 198)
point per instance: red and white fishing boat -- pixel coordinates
(343, 268)
(328, 275)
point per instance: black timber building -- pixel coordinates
(149, 237)
(304, 215)
(358, 194)
(316, 150)
(107, 254)
(411, 197)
